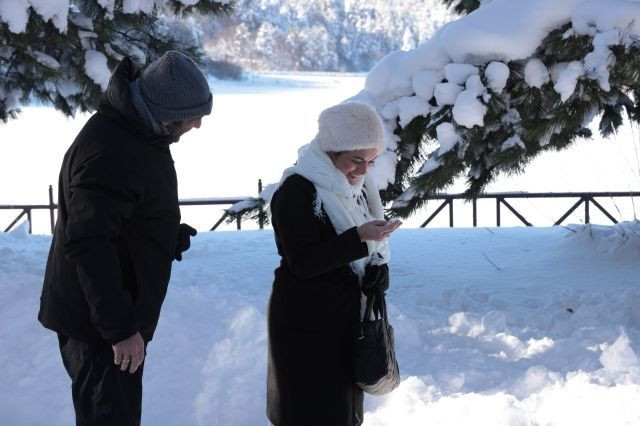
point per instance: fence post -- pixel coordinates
(474, 202)
(29, 220)
(498, 212)
(451, 212)
(261, 213)
(586, 210)
(51, 208)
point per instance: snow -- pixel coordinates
(468, 111)
(68, 87)
(446, 93)
(511, 142)
(384, 166)
(135, 6)
(474, 85)
(447, 137)
(410, 107)
(597, 62)
(95, 66)
(595, 16)
(16, 13)
(242, 205)
(459, 73)
(568, 78)
(11, 99)
(430, 165)
(55, 11)
(108, 5)
(424, 83)
(536, 73)
(504, 30)
(619, 357)
(389, 79)
(16, 17)
(497, 74)
(476, 344)
(46, 60)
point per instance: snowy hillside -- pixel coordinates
(520, 326)
(326, 35)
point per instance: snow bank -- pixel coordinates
(494, 326)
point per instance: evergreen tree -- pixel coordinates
(523, 119)
(462, 6)
(63, 56)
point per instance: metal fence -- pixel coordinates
(27, 210)
(583, 198)
(586, 199)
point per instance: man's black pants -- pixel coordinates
(102, 394)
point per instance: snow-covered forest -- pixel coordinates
(318, 35)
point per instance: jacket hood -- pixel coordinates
(118, 101)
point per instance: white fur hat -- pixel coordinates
(350, 126)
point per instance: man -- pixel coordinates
(118, 232)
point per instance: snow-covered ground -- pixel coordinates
(254, 132)
(494, 326)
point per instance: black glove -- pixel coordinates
(376, 278)
(185, 233)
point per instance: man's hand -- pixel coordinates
(129, 353)
(184, 239)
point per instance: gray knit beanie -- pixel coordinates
(174, 88)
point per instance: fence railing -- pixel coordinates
(586, 198)
(501, 199)
(27, 210)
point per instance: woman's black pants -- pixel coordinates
(102, 394)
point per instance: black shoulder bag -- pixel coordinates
(375, 364)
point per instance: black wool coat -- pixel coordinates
(118, 218)
(313, 311)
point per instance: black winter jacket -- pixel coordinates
(118, 218)
(313, 311)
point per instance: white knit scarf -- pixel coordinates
(346, 205)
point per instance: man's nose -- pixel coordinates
(197, 123)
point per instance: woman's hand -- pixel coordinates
(377, 230)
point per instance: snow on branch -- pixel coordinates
(61, 52)
(498, 86)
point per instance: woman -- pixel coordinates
(328, 224)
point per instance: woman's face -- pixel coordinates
(354, 164)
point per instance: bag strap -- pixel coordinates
(381, 312)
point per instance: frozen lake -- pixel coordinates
(254, 132)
